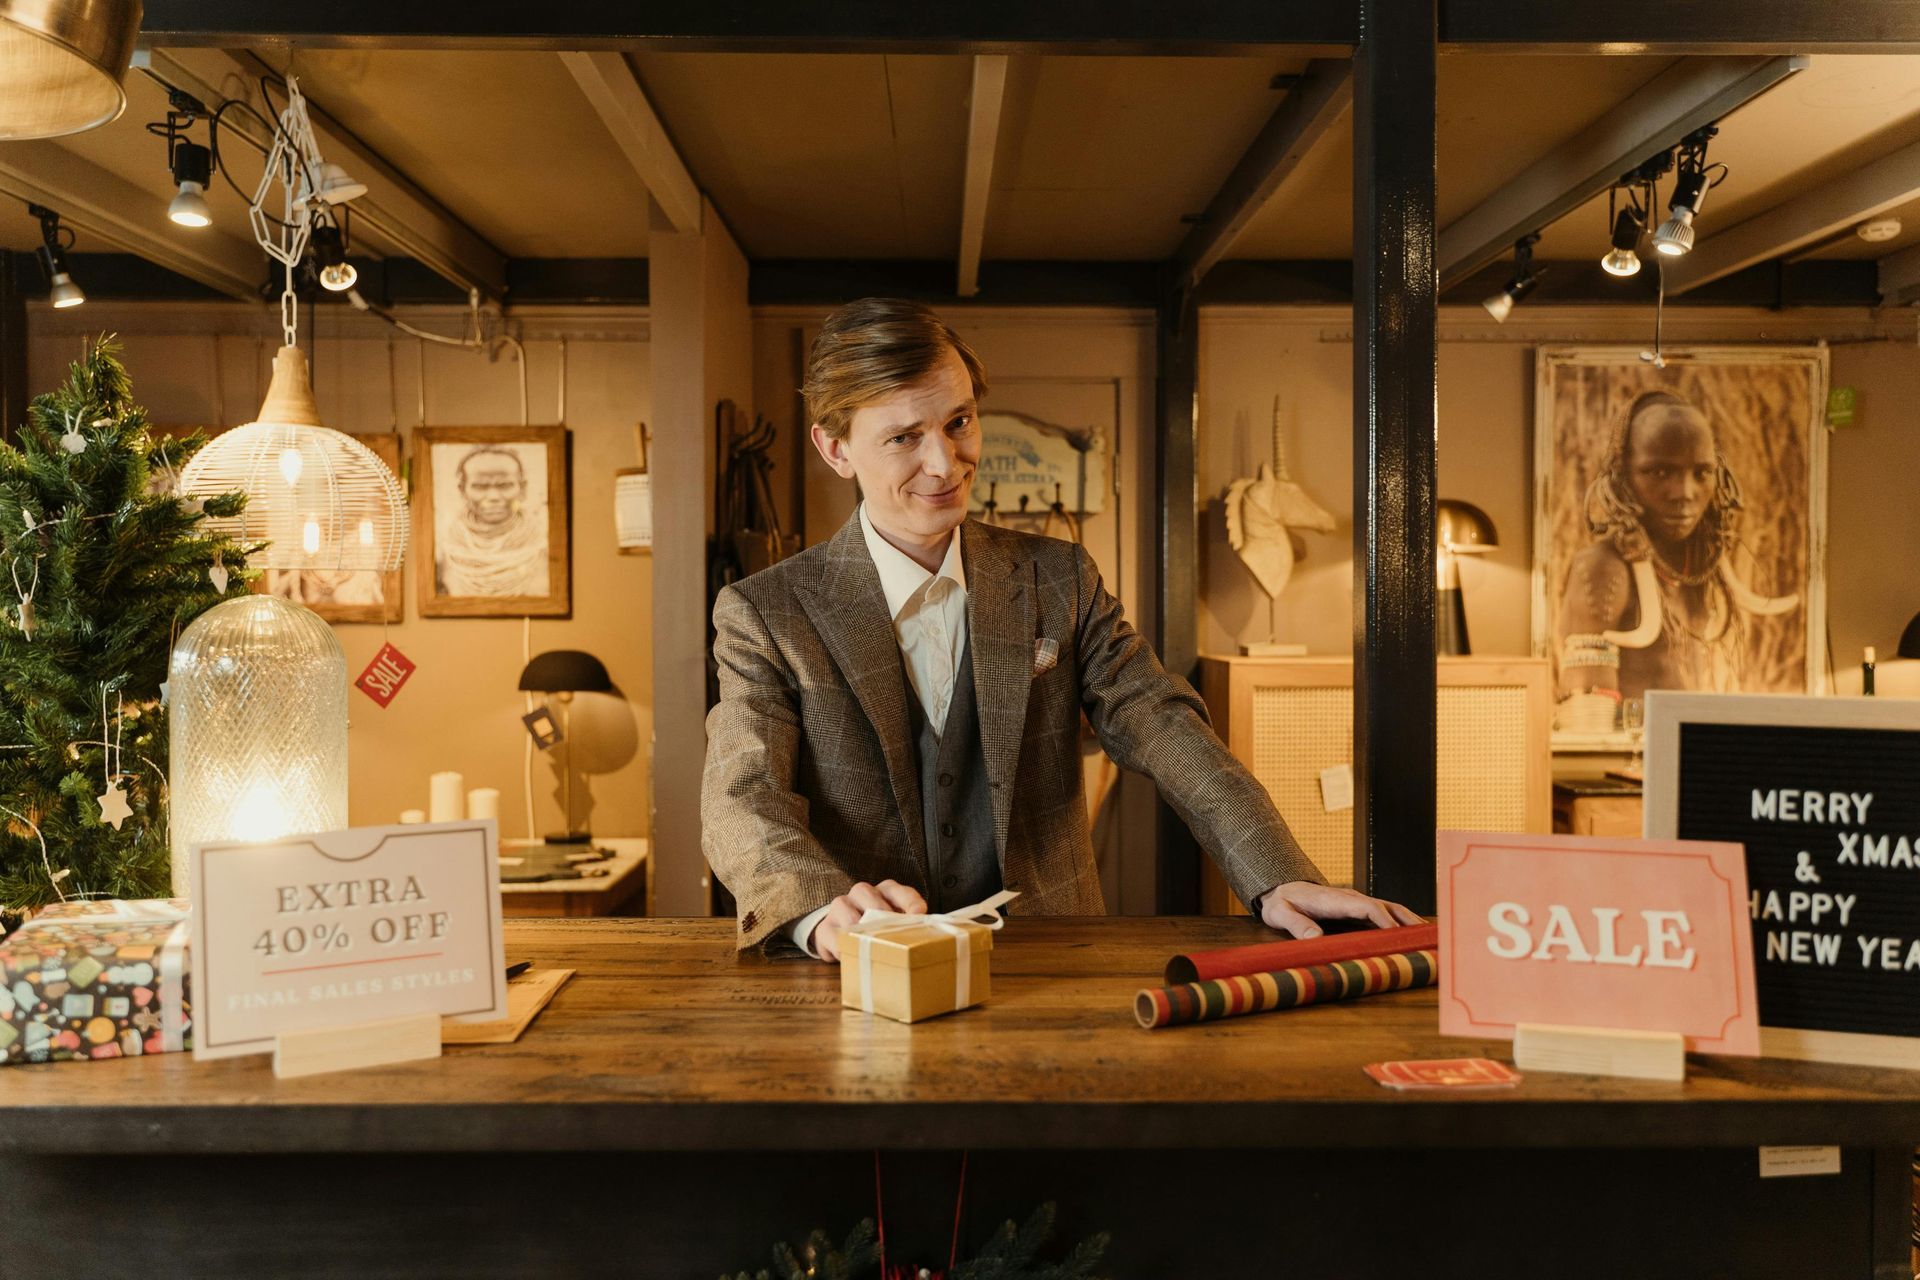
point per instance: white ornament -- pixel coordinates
(165, 691)
(218, 575)
(73, 441)
(26, 518)
(113, 805)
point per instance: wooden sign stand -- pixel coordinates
(363, 1044)
(1600, 1051)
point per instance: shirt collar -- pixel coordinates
(901, 577)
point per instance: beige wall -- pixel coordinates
(205, 364)
(1249, 355)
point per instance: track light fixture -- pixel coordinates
(330, 255)
(1520, 284)
(190, 163)
(1695, 178)
(1629, 224)
(62, 292)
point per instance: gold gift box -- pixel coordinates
(912, 970)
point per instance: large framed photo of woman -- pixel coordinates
(490, 516)
(346, 595)
(1680, 526)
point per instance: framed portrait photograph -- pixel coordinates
(1679, 528)
(491, 520)
(346, 595)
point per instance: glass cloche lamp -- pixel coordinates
(258, 684)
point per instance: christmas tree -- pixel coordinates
(103, 568)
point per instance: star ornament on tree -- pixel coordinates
(114, 808)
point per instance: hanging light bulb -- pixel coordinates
(290, 465)
(1622, 260)
(1520, 284)
(366, 531)
(330, 251)
(310, 536)
(1675, 235)
(192, 169)
(62, 292)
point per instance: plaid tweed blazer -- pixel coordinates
(811, 782)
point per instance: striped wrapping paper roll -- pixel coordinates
(1285, 989)
(1299, 953)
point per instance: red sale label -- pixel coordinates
(384, 675)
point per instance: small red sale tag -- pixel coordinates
(384, 675)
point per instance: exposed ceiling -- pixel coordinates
(1099, 158)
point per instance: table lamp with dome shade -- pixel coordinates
(561, 673)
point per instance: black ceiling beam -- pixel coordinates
(849, 26)
(1016, 26)
(1680, 26)
(1816, 282)
(1825, 282)
(1313, 103)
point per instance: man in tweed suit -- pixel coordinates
(899, 713)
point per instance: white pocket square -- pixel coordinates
(1046, 656)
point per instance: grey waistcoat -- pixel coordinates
(957, 810)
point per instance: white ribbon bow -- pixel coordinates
(876, 923)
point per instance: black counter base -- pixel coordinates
(1485, 1214)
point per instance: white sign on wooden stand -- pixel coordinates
(346, 948)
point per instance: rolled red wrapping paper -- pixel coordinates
(1285, 989)
(1300, 953)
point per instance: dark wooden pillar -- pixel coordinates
(13, 344)
(1394, 376)
(1177, 615)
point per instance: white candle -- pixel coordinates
(446, 797)
(484, 802)
(410, 816)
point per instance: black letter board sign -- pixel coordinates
(1825, 795)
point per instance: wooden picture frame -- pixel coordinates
(1760, 630)
(356, 595)
(1727, 786)
(498, 547)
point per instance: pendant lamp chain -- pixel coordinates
(294, 164)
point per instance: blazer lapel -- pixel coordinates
(849, 610)
(1000, 613)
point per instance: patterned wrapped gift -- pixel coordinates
(909, 967)
(86, 980)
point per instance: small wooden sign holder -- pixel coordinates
(363, 1044)
(1600, 1051)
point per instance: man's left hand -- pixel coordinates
(1297, 906)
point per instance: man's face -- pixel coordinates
(1673, 470)
(493, 488)
(915, 454)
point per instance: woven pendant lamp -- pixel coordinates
(318, 497)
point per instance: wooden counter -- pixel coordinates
(664, 1042)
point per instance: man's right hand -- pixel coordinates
(845, 911)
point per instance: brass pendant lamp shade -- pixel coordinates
(61, 62)
(319, 498)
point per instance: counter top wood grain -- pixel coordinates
(665, 1041)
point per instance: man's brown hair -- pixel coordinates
(870, 348)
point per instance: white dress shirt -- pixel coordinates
(929, 612)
